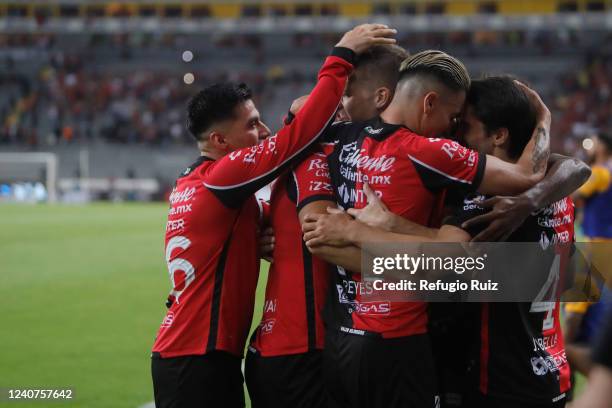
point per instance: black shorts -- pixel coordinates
(483, 401)
(372, 372)
(292, 381)
(211, 380)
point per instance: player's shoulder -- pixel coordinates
(202, 163)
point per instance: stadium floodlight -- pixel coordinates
(26, 167)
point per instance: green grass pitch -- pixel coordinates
(82, 290)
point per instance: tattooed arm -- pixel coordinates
(501, 177)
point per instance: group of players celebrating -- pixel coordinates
(388, 147)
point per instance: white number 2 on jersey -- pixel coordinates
(179, 264)
(550, 287)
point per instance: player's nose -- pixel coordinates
(264, 131)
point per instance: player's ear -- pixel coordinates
(429, 102)
(382, 98)
(217, 140)
(500, 137)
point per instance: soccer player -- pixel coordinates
(597, 191)
(519, 358)
(387, 340)
(283, 364)
(211, 242)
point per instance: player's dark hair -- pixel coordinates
(439, 66)
(214, 104)
(606, 139)
(499, 103)
(381, 63)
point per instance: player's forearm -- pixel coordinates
(532, 162)
(360, 234)
(564, 176)
(401, 225)
(348, 257)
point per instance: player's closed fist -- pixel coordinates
(364, 36)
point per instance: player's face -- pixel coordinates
(444, 113)
(359, 101)
(473, 134)
(246, 129)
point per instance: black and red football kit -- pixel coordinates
(518, 358)
(283, 365)
(211, 233)
(409, 173)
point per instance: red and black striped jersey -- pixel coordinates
(519, 352)
(211, 233)
(297, 281)
(409, 173)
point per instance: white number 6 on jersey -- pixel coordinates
(179, 264)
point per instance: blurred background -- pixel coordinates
(100, 87)
(92, 110)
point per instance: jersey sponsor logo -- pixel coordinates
(549, 364)
(544, 343)
(350, 156)
(556, 238)
(455, 150)
(556, 222)
(168, 320)
(472, 203)
(349, 289)
(556, 208)
(175, 225)
(357, 176)
(181, 209)
(235, 154)
(318, 164)
(373, 131)
(182, 196)
(267, 326)
(350, 330)
(319, 186)
(270, 306)
(268, 146)
(558, 397)
(320, 167)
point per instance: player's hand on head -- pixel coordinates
(375, 213)
(266, 243)
(505, 216)
(297, 104)
(542, 111)
(364, 36)
(326, 229)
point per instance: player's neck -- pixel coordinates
(211, 153)
(502, 154)
(395, 114)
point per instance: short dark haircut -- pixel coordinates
(606, 139)
(382, 63)
(499, 103)
(439, 66)
(213, 104)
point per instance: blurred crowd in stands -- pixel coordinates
(67, 99)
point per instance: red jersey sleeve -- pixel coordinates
(444, 163)
(312, 180)
(240, 173)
